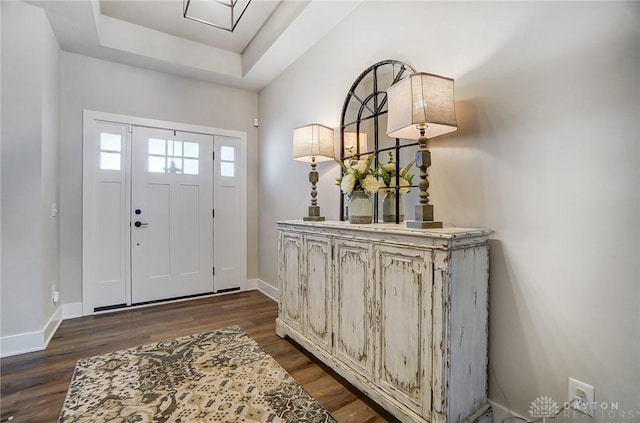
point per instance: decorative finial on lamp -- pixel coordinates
(313, 143)
(421, 107)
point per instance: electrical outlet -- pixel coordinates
(55, 295)
(582, 396)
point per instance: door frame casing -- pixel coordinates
(89, 250)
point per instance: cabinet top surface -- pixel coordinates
(390, 228)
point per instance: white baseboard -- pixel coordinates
(21, 343)
(267, 289)
(71, 311)
(251, 285)
(31, 341)
(52, 326)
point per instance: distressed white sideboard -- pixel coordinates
(400, 313)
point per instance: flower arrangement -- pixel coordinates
(387, 174)
(357, 175)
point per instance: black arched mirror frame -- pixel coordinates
(364, 116)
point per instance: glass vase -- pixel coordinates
(360, 208)
(389, 208)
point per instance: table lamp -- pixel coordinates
(313, 143)
(421, 107)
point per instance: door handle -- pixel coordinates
(139, 224)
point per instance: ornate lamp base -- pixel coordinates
(424, 218)
(424, 210)
(422, 224)
(314, 215)
(314, 209)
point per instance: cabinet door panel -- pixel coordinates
(318, 289)
(404, 282)
(353, 320)
(441, 280)
(290, 279)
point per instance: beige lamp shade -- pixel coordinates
(313, 142)
(351, 139)
(421, 98)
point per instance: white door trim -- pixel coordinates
(88, 243)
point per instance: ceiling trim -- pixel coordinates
(293, 28)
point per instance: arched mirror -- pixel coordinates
(363, 130)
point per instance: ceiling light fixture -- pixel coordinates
(223, 14)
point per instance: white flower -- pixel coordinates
(389, 167)
(348, 163)
(347, 184)
(370, 184)
(403, 183)
(360, 166)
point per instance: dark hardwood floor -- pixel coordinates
(33, 386)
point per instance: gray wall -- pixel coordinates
(547, 155)
(93, 84)
(30, 100)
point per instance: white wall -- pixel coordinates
(30, 80)
(0, 160)
(93, 84)
(547, 155)
(50, 192)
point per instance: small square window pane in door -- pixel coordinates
(191, 149)
(227, 169)
(110, 142)
(227, 153)
(109, 161)
(177, 148)
(174, 148)
(157, 146)
(174, 165)
(191, 167)
(156, 164)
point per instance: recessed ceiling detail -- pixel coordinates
(153, 34)
(167, 16)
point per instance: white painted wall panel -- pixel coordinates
(159, 230)
(189, 234)
(109, 240)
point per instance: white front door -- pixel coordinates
(137, 170)
(171, 214)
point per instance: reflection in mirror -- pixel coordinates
(363, 129)
(355, 143)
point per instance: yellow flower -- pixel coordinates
(389, 167)
(360, 166)
(403, 183)
(370, 184)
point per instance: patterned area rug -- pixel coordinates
(218, 376)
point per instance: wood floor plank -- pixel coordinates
(33, 385)
(355, 412)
